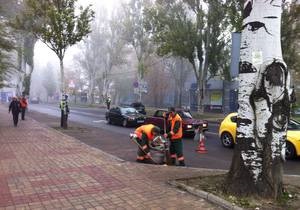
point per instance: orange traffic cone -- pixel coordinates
(201, 147)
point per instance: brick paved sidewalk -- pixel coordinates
(41, 168)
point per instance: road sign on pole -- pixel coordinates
(143, 86)
(136, 91)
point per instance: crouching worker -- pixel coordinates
(144, 135)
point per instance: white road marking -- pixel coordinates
(99, 121)
(212, 133)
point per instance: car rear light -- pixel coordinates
(189, 126)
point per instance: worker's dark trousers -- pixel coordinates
(108, 105)
(176, 150)
(63, 119)
(23, 113)
(143, 144)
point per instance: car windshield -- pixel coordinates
(128, 110)
(185, 115)
(293, 125)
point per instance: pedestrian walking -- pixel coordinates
(175, 136)
(23, 106)
(108, 101)
(64, 107)
(144, 135)
(14, 108)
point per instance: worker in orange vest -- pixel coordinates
(144, 135)
(175, 136)
(23, 106)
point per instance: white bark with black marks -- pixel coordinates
(263, 103)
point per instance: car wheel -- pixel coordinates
(125, 123)
(227, 140)
(290, 151)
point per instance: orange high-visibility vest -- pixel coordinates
(23, 103)
(145, 129)
(177, 135)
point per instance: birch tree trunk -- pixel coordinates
(263, 113)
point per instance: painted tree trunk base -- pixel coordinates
(240, 183)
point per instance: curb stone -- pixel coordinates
(205, 195)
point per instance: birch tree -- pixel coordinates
(263, 114)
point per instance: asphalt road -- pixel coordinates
(112, 139)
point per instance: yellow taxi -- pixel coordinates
(227, 133)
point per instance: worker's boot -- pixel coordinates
(173, 161)
(181, 163)
(140, 161)
(149, 161)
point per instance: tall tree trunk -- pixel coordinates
(198, 65)
(205, 65)
(263, 114)
(28, 54)
(62, 76)
(19, 69)
(64, 117)
(181, 82)
(26, 84)
(91, 90)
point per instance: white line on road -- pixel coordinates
(212, 133)
(99, 121)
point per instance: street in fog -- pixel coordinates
(217, 156)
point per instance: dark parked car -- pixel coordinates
(139, 106)
(189, 124)
(125, 116)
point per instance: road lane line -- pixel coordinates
(99, 121)
(212, 133)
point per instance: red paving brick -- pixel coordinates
(41, 168)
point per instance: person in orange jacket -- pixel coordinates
(23, 106)
(144, 135)
(175, 136)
